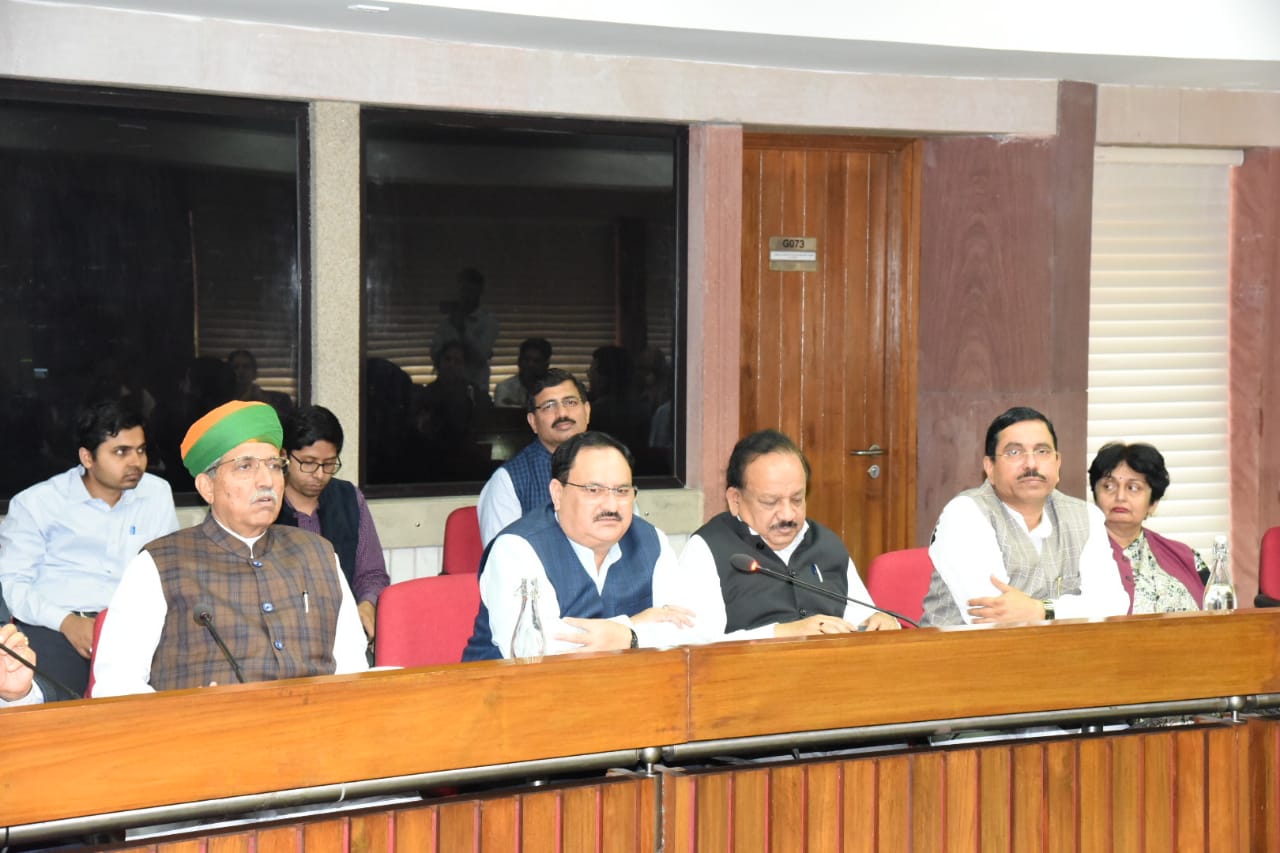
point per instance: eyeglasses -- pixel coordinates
(1131, 487)
(1039, 453)
(244, 467)
(329, 468)
(568, 404)
(595, 491)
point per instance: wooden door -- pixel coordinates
(828, 356)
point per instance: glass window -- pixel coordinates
(145, 238)
(483, 235)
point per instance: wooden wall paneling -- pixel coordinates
(1254, 361)
(750, 818)
(292, 839)
(1096, 779)
(192, 845)
(961, 802)
(459, 826)
(626, 816)
(1027, 814)
(1126, 793)
(1062, 795)
(679, 811)
(929, 783)
(753, 268)
(1223, 790)
(788, 807)
(541, 820)
(239, 842)
(1188, 791)
(499, 823)
(1264, 758)
(1158, 792)
(416, 828)
(823, 817)
(581, 817)
(861, 793)
(714, 290)
(893, 808)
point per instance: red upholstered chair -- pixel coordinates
(426, 621)
(93, 656)
(1269, 570)
(462, 545)
(898, 580)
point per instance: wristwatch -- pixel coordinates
(635, 641)
(1048, 609)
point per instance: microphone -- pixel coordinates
(53, 682)
(205, 618)
(751, 566)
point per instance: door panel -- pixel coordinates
(828, 356)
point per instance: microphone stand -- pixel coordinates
(835, 596)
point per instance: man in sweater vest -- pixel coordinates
(599, 570)
(274, 595)
(768, 478)
(336, 509)
(1015, 549)
(558, 410)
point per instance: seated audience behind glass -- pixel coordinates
(1160, 574)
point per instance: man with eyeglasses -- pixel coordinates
(274, 595)
(336, 509)
(605, 578)
(66, 541)
(558, 410)
(768, 485)
(1015, 549)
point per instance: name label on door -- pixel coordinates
(793, 254)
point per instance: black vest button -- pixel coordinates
(804, 612)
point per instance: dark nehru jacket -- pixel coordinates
(256, 602)
(628, 589)
(530, 473)
(753, 600)
(339, 515)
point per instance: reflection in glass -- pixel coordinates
(143, 239)
(487, 240)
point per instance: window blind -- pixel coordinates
(1158, 324)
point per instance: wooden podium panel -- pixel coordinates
(776, 686)
(104, 755)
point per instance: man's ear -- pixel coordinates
(204, 485)
(733, 497)
(86, 458)
(988, 465)
(557, 492)
(586, 415)
(533, 423)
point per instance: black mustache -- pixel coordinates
(608, 513)
(559, 421)
(786, 525)
(1032, 475)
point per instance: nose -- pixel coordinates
(262, 476)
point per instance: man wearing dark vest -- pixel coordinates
(599, 570)
(274, 594)
(336, 509)
(768, 483)
(558, 410)
(1015, 549)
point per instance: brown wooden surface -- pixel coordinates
(933, 674)
(827, 356)
(273, 736)
(1130, 791)
(1254, 367)
(1004, 296)
(191, 745)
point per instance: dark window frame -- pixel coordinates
(679, 137)
(36, 93)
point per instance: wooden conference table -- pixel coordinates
(658, 715)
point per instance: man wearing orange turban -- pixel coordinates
(233, 598)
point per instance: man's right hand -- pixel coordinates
(79, 633)
(15, 679)
(819, 624)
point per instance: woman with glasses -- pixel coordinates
(1160, 574)
(336, 509)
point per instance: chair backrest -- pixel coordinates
(462, 545)
(1269, 564)
(426, 621)
(898, 580)
(93, 654)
